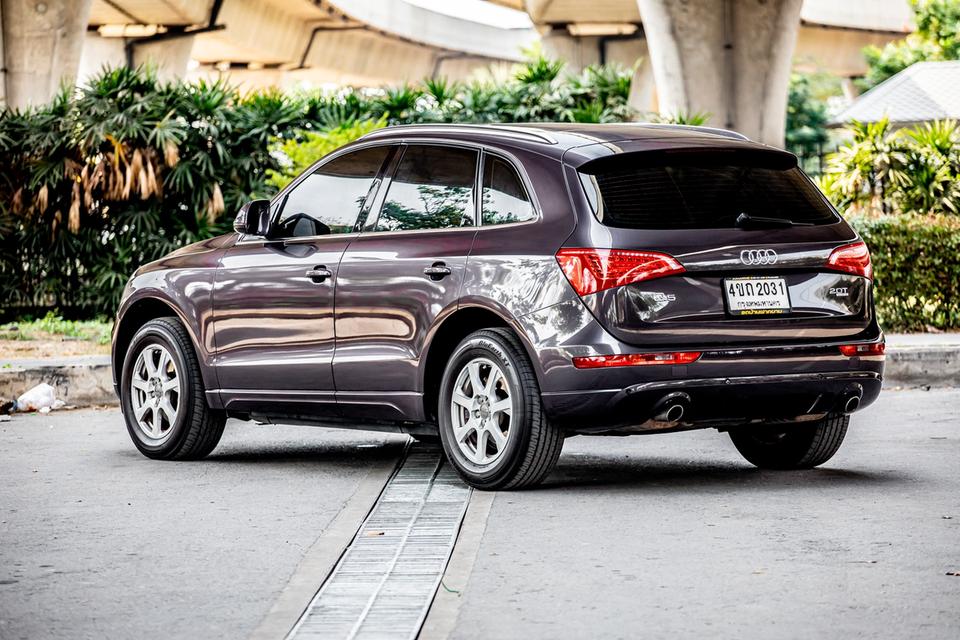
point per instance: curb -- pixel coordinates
(922, 366)
(84, 382)
(79, 382)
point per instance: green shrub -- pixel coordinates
(886, 170)
(296, 155)
(916, 262)
(127, 168)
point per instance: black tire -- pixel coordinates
(802, 445)
(533, 444)
(197, 429)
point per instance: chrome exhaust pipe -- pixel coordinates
(852, 404)
(851, 399)
(672, 407)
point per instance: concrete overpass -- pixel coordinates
(316, 42)
(730, 58)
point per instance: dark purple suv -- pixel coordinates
(505, 287)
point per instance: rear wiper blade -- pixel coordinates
(745, 220)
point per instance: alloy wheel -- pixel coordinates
(481, 409)
(155, 393)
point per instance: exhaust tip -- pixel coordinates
(852, 404)
(672, 407)
(674, 412)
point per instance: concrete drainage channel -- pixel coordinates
(386, 580)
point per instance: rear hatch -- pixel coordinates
(715, 247)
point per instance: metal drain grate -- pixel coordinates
(384, 583)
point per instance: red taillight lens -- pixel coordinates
(635, 359)
(852, 258)
(592, 270)
(870, 349)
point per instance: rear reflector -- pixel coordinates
(592, 270)
(852, 258)
(868, 349)
(635, 359)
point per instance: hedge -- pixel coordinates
(128, 168)
(916, 262)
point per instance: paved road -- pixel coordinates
(666, 536)
(97, 541)
(676, 537)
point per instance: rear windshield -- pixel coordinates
(701, 190)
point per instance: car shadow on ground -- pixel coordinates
(282, 453)
(658, 474)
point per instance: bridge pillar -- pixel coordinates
(42, 40)
(729, 58)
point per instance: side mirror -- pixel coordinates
(253, 218)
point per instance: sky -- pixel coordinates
(478, 11)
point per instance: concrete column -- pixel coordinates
(576, 52)
(730, 58)
(42, 41)
(169, 57)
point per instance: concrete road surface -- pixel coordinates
(656, 536)
(97, 541)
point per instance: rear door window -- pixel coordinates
(431, 189)
(504, 198)
(701, 190)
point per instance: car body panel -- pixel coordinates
(183, 281)
(274, 324)
(386, 307)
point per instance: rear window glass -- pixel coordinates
(701, 191)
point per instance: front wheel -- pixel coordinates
(492, 424)
(802, 445)
(162, 395)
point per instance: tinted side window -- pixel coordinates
(330, 199)
(432, 189)
(504, 198)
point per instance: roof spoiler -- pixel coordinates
(726, 133)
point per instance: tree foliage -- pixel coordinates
(882, 170)
(127, 168)
(937, 38)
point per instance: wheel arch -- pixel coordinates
(449, 333)
(134, 315)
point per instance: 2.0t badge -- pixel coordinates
(754, 257)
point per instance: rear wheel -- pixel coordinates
(492, 424)
(162, 395)
(803, 445)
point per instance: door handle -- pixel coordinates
(438, 271)
(319, 274)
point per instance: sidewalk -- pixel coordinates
(913, 360)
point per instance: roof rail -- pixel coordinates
(519, 132)
(726, 133)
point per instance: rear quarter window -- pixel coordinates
(701, 190)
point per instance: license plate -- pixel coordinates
(756, 296)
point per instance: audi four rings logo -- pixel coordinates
(758, 256)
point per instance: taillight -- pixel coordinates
(592, 270)
(635, 359)
(852, 258)
(864, 349)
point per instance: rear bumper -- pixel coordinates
(713, 401)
